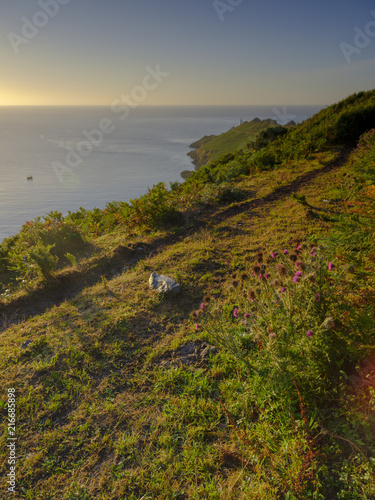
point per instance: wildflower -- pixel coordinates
(273, 255)
(309, 333)
(330, 266)
(300, 247)
(272, 335)
(286, 252)
(196, 312)
(267, 276)
(203, 305)
(296, 279)
(299, 273)
(235, 313)
(328, 323)
(246, 315)
(259, 257)
(317, 296)
(281, 270)
(283, 289)
(197, 326)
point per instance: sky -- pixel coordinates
(185, 52)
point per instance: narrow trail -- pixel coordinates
(69, 284)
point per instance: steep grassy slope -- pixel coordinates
(212, 147)
(119, 395)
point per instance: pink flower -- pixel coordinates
(296, 279)
(196, 313)
(309, 333)
(330, 266)
(283, 289)
(246, 315)
(273, 255)
(286, 252)
(197, 326)
(235, 313)
(266, 276)
(299, 273)
(203, 305)
(298, 263)
(317, 296)
(299, 247)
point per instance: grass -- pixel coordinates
(238, 138)
(106, 407)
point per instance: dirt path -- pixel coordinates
(70, 283)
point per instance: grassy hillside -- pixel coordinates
(256, 381)
(212, 147)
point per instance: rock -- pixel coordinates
(195, 353)
(25, 344)
(163, 284)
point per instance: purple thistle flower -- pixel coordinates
(299, 273)
(330, 266)
(235, 313)
(309, 333)
(298, 263)
(296, 279)
(203, 305)
(273, 255)
(246, 315)
(286, 252)
(197, 326)
(283, 289)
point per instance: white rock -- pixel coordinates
(163, 284)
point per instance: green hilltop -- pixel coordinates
(256, 381)
(212, 147)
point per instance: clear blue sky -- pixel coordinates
(257, 52)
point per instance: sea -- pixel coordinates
(89, 156)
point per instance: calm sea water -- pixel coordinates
(147, 147)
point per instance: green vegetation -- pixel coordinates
(212, 147)
(118, 395)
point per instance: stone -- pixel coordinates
(25, 344)
(163, 284)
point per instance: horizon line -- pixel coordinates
(148, 105)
